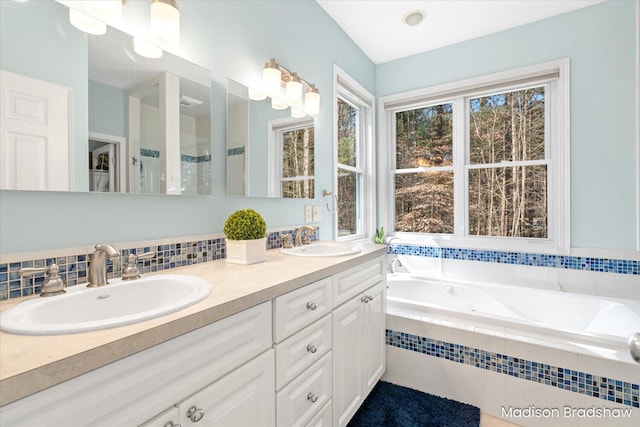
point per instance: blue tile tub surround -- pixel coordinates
(608, 389)
(74, 268)
(606, 265)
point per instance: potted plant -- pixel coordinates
(245, 232)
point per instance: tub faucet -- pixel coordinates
(98, 264)
(634, 346)
(300, 238)
(394, 264)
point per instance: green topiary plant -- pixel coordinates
(245, 224)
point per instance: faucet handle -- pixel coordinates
(131, 271)
(286, 241)
(53, 284)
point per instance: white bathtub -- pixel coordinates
(493, 334)
(555, 316)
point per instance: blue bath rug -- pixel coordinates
(390, 405)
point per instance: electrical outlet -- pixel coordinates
(317, 213)
(308, 213)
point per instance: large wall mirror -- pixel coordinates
(123, 122)
(269, 153)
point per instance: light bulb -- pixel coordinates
(271, 76)
(293, 91)
(312, 101)
(165, 22)
(86, 23)
(145, 48)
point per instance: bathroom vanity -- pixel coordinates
(285, 343)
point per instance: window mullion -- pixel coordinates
(460, 126)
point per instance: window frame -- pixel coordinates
(557, 141)
(277, 128)
(350, 91)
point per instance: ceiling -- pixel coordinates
(378, 28)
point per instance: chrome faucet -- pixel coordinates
(300, 238)
(98, 264)
(395, 263)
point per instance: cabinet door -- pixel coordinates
(348, 356)
(245, 397)
(374, 330)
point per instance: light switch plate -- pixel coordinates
(317, 213)
(308, 213)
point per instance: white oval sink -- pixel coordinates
(119, 303)
(322, 249)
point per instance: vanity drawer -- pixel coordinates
(298, 352)
(297, 309)
(299, 401)
(351, 282)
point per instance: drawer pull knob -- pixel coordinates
(195, 414)
(312, 348)
(171, 424)
(311, 306)
(312, 397)
(364, 299)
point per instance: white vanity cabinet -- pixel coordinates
(358, 339)
(326, 369)
(135, 389)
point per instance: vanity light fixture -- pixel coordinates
(271, 78)
(293, 90)
(274, 78)
(164, 22)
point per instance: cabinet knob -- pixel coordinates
(364, 299)
(312, 397)
(195, 414)
(171, 424)
(311, 306)
(312, 348)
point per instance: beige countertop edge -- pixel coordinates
(38, 378)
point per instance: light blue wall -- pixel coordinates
(107, 109)
(234, 39)
(601, 43)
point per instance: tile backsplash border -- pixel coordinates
(583, 263)
(74, 262)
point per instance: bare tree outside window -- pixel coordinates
(298, 163)
(507, 172)
(424, 170)
(348, 174)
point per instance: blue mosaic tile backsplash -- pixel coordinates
(74, 268)
(606, 265)
(608, 389)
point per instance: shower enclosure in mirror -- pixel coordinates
(133, 124)
(269, 153)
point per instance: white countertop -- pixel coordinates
(29, 364)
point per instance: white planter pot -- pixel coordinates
(246, 251)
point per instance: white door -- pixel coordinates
(34, 134)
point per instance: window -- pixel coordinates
(354, 203)
(484, 162)
(292, 170)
